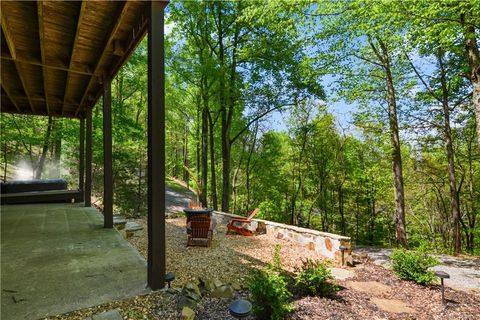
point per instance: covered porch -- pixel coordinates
(58, 59)
(58, 258)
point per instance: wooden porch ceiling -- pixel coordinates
(54, 54)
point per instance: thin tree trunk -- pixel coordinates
(471, 191)
(341, 210)
(186, 164)
(225, 132)
(46, 142)
(57, 150)
(454, 200)
(383, 56)
(252, 148)
(5, 160)
(213, 174)
(473, 56)
(204, 181)
(198, 138)
(176, 158)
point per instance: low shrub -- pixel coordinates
(269, 289)
(270, 295)
(413, 265)
(313, 277)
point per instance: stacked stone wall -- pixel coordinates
(326, 244)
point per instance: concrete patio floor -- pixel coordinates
(57, 258)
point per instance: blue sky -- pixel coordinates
(342, 111)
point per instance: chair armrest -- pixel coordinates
(244, 220)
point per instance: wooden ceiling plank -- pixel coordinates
(75, 41)
(138, 33)
(11, 47)
(41, 32)
(7, 91)
(111, 34)
(8, 38)
(49, 66)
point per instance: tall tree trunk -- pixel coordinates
(57, 145)
(203, 198)
(471, 191)
(198, 155)
(46, 142)
(186, 164)
(454, 200)
(341, 203)
(248, 169)
(213, 174)
(176, 157)
(227, 99)
(225, 132)
(473, 57)
(400, 229)
(5, 160)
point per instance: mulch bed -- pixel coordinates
(231, 259)
(351, 304)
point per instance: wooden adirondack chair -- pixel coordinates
(240, 225)
(201, 231)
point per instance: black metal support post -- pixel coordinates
(88, 162)
(81, 156)
(156, 146)
(107, 155)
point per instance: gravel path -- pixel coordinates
(175, 201)
(464, 271)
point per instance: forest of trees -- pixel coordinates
(402, 169)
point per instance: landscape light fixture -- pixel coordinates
(169, 277)
(240, 308)
(442, 275)
(342, 249)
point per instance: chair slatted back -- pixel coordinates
(253, 214)
(200, 226)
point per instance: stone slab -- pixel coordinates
(133, 226)
(342, 274)
(372, 287)
(392, 305)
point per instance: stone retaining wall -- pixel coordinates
(326, 244)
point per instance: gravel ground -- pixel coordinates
(229, 259)
(464, 271)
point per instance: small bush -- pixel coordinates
(270, 295)
(413, 265)
(312, 278)
(269, 289)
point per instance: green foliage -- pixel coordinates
(276, 264)
(413, 265)
(269, 289)
(313, 277)
(270, 295)
(135, 314)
